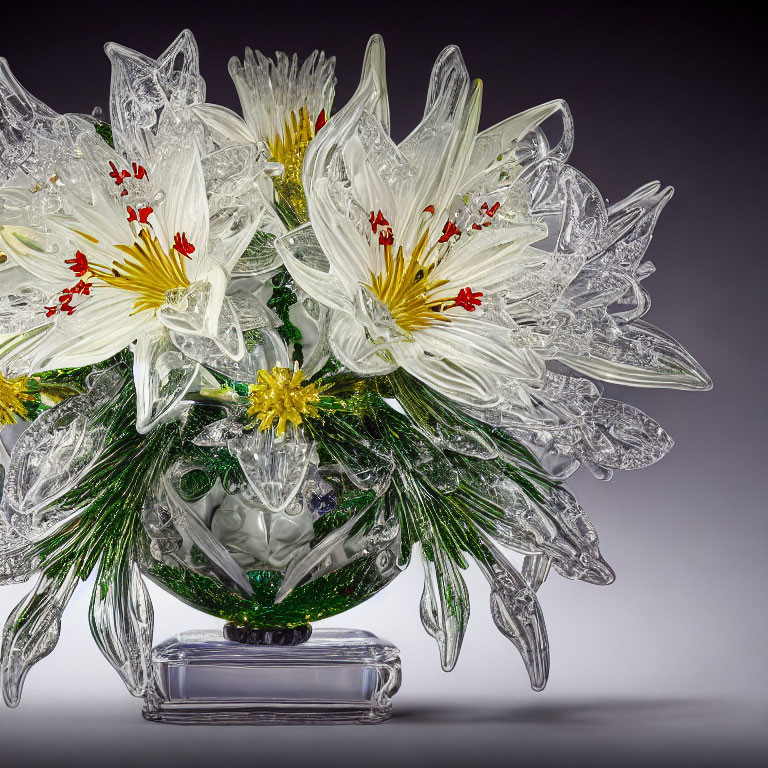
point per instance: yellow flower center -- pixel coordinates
(282, 395)
(289, 149)
(13, 395)
(405, 289)
(147, 271)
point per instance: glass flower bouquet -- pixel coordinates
(257, 360)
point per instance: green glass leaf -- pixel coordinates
(105, 131)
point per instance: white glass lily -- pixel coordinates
(472, 260)
(133, 245)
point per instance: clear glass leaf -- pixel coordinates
(121, 621)
(642, 356)
(259, 256)
(444, 606)
(187, 521)
(632, 439)
(17, 558)
(54, 453)
(219, 433)
(535, 570)
(346, 544)
(32, 630)
(575, 549)
(517, 614)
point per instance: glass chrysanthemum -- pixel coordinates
(13, 399)
(281, 396)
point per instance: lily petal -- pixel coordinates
(72, 341)
(162, 376)
(225, 122)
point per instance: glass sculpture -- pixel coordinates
(257, 360)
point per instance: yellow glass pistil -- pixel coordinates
(405, 289)
(282, 395)
(288, 148)
(13, 395)
(148, 271)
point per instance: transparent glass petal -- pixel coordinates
(270, 89)
(33, 138)
(507, 147)
(21, 309)
(143, 88)
(195, 311)
(274, 466)
(162, 376)
(242, 222)
(18, 350)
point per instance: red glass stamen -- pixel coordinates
(118, 176)
(468, 299)
(377, 220)
(182, 245)
(79, 264)
(449, 230)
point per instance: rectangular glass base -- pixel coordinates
(338, 675)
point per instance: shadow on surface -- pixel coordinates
(588, 712)
(579, 733)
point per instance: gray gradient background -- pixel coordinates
(667, 665)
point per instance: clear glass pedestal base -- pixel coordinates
(338, 675)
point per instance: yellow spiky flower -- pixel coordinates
(282, 395)
(13, 395)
